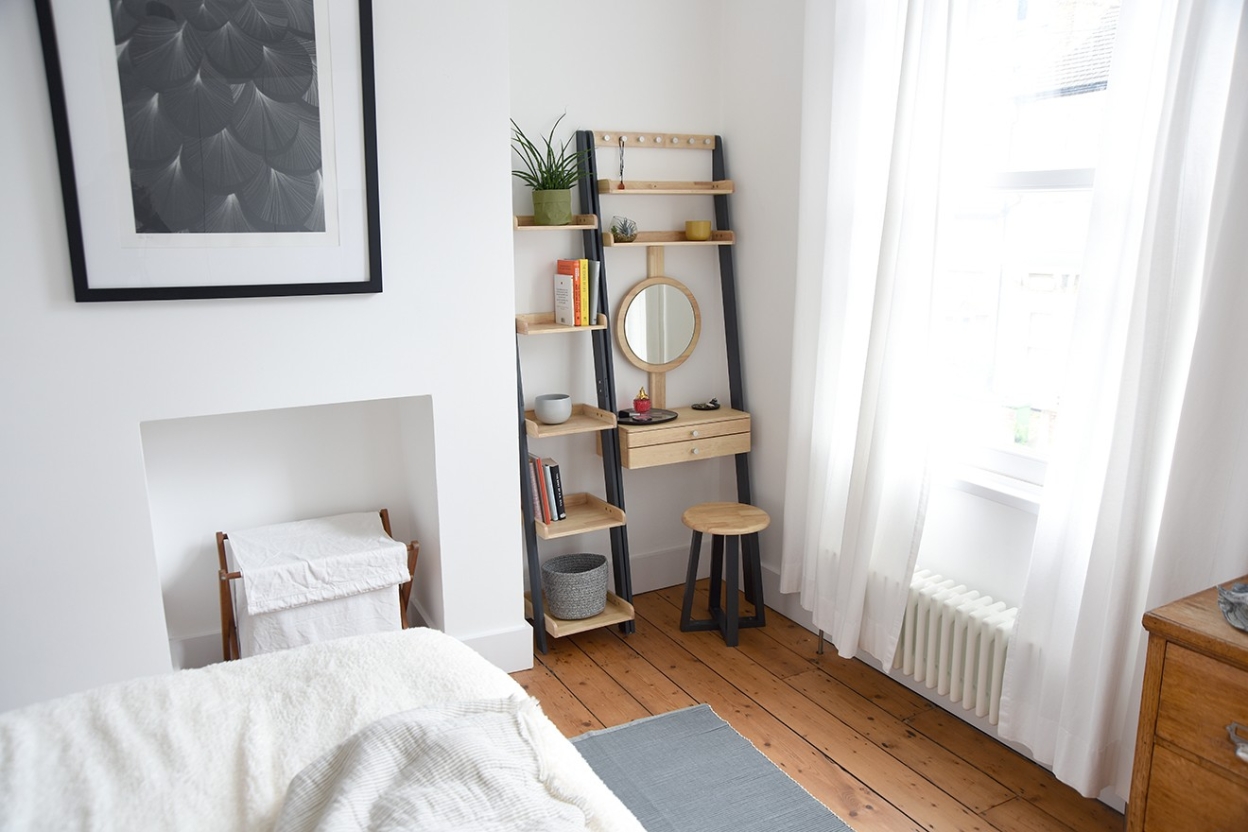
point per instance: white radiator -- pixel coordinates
(954, 639)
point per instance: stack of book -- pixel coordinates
(546, 487)
(576, 292)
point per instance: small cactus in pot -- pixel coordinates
(623, 229)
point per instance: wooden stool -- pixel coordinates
(736, 522)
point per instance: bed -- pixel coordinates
(311, 737)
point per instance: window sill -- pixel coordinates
(1009, 491)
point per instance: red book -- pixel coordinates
(536, 501)
(541, 489)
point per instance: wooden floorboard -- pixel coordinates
(565, 710)
(604, 697)
(876, 753)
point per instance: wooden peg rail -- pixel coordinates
(672, 141)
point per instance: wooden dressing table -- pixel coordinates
(692, 435)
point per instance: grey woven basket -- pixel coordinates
(575, 586)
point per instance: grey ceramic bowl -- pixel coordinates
(1233, 601)
(553, 408)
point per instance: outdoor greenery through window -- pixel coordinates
(1025, 104)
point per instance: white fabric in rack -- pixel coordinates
(376, 611)
(291, 564)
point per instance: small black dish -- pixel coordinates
(713, 404)
(656, 416)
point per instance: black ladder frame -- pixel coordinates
(728, 292)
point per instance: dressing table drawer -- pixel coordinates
(1199, 697)
(694, 435)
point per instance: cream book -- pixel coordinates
(565, 309)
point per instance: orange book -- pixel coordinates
(587, 314)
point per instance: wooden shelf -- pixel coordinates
(617, 612)
(671, 238)
(634, 187)
(586, 513)
(543, 323)
(580, 222)
(585, 419)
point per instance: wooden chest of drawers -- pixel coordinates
(1186, 774)
(692, 435)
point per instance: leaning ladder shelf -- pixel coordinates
(719, 186)
(585, 512)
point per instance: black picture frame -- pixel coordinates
(255, 263)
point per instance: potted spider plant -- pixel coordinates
(550, 171)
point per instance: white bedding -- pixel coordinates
(215, 748)
(468, 767)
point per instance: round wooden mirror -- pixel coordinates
(658, 324)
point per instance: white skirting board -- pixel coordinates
(656, 570)
(197, 651)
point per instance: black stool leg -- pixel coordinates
(717, 569)
(749, 554)
(754, 571)
(731, 615)
(691, 578)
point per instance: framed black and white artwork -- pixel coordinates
(215, 148)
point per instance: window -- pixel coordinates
(1026, 97)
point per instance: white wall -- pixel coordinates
(652, 66)
(761, 68)
(977, 540)
(81, 599)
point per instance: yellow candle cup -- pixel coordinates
(698, 230)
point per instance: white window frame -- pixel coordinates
(1015, 476)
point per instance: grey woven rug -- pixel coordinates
(689, 771)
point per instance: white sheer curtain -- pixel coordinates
(873, 96)
(1145, 496)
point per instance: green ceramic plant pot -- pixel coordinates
(552, 207)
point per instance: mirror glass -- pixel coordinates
(659, 323)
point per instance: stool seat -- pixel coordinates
(733, 527)
(725, 518)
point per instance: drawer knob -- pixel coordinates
(1240, 740)
(695, 434)
(694, 451)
